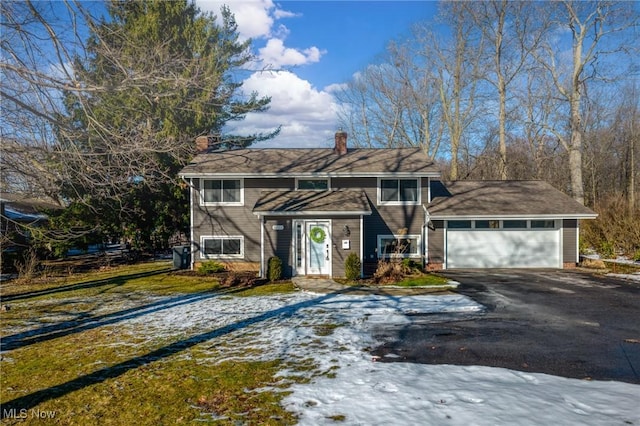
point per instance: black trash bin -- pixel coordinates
(181, 257)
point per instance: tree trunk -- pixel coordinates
(575, 151)
(631, 182)
(502, 125)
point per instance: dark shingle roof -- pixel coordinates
(504, 199)
(273, 162)
(306, 202)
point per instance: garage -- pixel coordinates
(501, 247)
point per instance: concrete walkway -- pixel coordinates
(327, 285)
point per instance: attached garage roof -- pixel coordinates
(312, 202)
(272, 162)
(502, 199)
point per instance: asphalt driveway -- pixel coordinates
(561, 322)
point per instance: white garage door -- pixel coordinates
(500, 248)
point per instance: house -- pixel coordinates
(19, 215)
(313, 207)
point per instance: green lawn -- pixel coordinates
(416, 280)
(422, 280)
(84, 374)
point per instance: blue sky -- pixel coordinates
(350, 32)
(315, 46)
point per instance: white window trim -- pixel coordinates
(328, 179)
(221, 203)
(399, 203)
(203, 255)
(417, 237)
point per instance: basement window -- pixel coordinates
(225, 247)
(398, 246)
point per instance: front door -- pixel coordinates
(312, 247)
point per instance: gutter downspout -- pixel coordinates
(425, 236)
(262, 268)
(362, 259)
(192, 245)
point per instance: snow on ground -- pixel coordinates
(335, 331)
(621, 260)
(634, 277)
(348, 384)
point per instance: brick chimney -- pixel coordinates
(341, 142)
(202, 144)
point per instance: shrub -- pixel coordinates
(274, 270)
(210, 267)
(636, 256)
(607, 250)
(410, 265)
(352, 266)
(617, 225)
(388, 272)
(28, 266)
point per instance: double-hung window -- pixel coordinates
(222, 192)
(398, 191)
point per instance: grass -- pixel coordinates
(423, 280)
(153, 277)
(81, 373)
(417, 280)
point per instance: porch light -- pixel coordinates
(346, 231)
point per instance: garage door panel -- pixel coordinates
(503, 248)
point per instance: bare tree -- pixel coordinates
(459, 68)
(97, 109)
(394, 103)
(589, 24)
(511, 32)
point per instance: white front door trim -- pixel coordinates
(310, 255)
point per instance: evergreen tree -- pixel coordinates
(157, 75)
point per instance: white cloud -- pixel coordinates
(336, 87)
(279, 14)
(307, 115)
(255, 18)
(281, 32)
(276, 55)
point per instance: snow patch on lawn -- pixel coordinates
(348, 384)
(633, 277)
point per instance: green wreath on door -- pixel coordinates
(317, 235)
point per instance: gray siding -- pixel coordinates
(239, 220)
(569, 240)
(436, 242)
(234, 220)
(339, 254)
(278, 243)
(384, 220)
